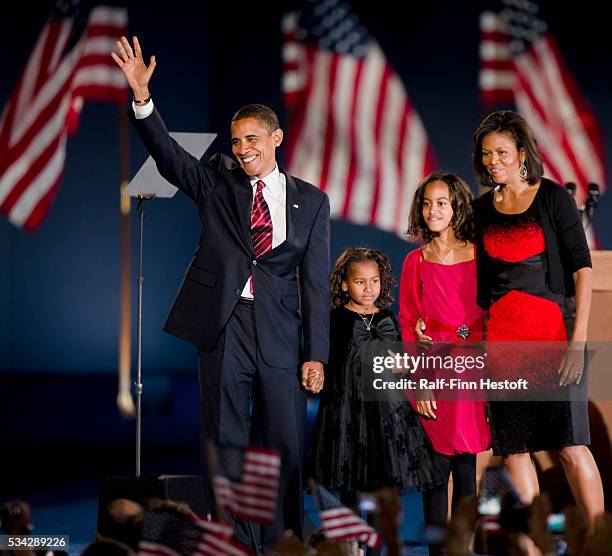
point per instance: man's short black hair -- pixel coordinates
(263, 114)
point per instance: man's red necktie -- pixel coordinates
(261, 224)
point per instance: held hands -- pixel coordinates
(572, 366)
(419, 331)
(313, 376)
(137, 73)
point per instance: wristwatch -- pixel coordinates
(141, 102)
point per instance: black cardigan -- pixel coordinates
(567, 249)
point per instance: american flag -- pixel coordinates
(69, 64)
(170, 533)
(352, 129)
(340, 523)
(521, 64)
(218, 541)
(247, 484)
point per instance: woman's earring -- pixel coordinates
(523, 172)
(491, 182)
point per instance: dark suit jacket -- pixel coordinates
(291, 282)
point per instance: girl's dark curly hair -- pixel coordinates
(461, 203)
(342, 268)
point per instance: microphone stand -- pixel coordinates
(588, 210)
(586, 214)
(145, 185)
(591, 203)
(139, 280)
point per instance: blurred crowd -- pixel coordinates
(495, 523)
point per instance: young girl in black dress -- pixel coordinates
(360, 445)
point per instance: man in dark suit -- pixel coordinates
(257, 283)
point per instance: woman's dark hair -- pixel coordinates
(461, 202)
(510, 123)
(342, 269)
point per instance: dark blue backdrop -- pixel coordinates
(59, 286)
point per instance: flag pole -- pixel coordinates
(125, 402)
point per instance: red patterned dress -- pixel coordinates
(524, 310)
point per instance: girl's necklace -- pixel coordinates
(443, 260)
(368, 324)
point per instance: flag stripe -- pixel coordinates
(42, 208)
(255, 496)
(400, 161)
(54, 88)
(34, 167)
(39, 186)
(60, 44)
(172, 533)
(579, 145)
(145, 547)
(367, 101)
(379, 145)
(339, 522)
(339, 157)
(329, 132)
(26, 84)
(350, 125)
(352, 173)
(390, 180)
(45, 59)
(16, 169)
(545, 93)
(46, 98)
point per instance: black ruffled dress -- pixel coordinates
(359, 445)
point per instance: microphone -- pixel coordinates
(591, 203)
(571, 188)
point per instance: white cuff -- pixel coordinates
(141, 112)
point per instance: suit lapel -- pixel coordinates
(244, 200)
(293, 213)
(293, 206)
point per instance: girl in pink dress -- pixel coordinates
(438, 289)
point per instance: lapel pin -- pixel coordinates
(296, 206)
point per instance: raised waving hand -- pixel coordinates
(137, 73)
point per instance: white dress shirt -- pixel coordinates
(275, 194)
(141, 112)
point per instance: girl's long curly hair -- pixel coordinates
(342, 269)
(461, 202)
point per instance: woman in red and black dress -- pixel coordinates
(531, 253)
